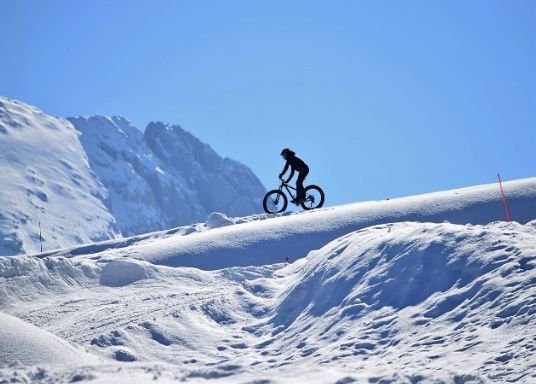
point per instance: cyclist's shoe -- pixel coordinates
(295, 201)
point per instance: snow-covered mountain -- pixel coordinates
(377, 292)
(125, 182)
(45, 178)
(128, 169)
(165, 177)
(220, 185)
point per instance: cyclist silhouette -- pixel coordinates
(295, 164)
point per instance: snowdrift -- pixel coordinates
(24, 344)
(381, 300)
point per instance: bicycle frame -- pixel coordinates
(288, 188)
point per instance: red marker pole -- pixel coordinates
(506, 210)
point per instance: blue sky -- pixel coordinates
(381, 98)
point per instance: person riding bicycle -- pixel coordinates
(296, 164)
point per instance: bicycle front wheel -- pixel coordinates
(275, 202)
(314, 197)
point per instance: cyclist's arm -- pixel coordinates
(284, 170)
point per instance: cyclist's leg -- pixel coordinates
(300, 191)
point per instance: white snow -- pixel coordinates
(25, 344)
(217, 220)
(386, 291)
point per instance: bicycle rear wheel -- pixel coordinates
(314, 197)
(275, 202)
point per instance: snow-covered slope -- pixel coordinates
(377, 301)
(46, 179)
(258, 241)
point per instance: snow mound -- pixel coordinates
(438, 266)
(31, 277)
(23, 343)
(399, 294)
(118, 273)
(217, 220)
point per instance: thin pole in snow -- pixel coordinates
(505, 203)
(40, 238)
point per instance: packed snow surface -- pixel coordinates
(423, 289)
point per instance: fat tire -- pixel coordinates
(320, 192)
(271, 194)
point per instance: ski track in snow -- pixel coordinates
(366, 299)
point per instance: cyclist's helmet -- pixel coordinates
(285, 151)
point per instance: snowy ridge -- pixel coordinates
(404, 302)
(257, 241)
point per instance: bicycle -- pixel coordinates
(275, 201)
